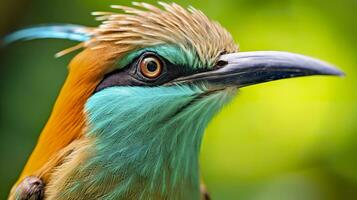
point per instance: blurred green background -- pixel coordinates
(286, 140)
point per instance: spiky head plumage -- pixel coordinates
(147, 25)
(140, 26)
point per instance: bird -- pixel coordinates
(130, 118)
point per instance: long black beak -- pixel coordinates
(248, 68)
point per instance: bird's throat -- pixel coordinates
(147, 141)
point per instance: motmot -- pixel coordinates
(130, 118)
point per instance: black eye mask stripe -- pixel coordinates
(131, 75)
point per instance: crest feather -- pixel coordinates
(59, 31)
(142, 25)
(147, 25)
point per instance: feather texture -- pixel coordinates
(67, 121)
(146, 143)
(148, 25)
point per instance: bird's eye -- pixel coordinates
(150, 66)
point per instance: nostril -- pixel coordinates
(221, 63)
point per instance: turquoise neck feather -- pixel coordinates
(147, 140)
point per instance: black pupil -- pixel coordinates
(152, 66)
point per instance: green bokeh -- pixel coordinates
(285, 140)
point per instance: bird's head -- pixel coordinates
(170, 71)
(176, 68)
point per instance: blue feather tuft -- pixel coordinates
(59, 31)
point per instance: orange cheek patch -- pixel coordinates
(67, 120)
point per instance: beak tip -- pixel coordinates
(334, 71)
(341, 74)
